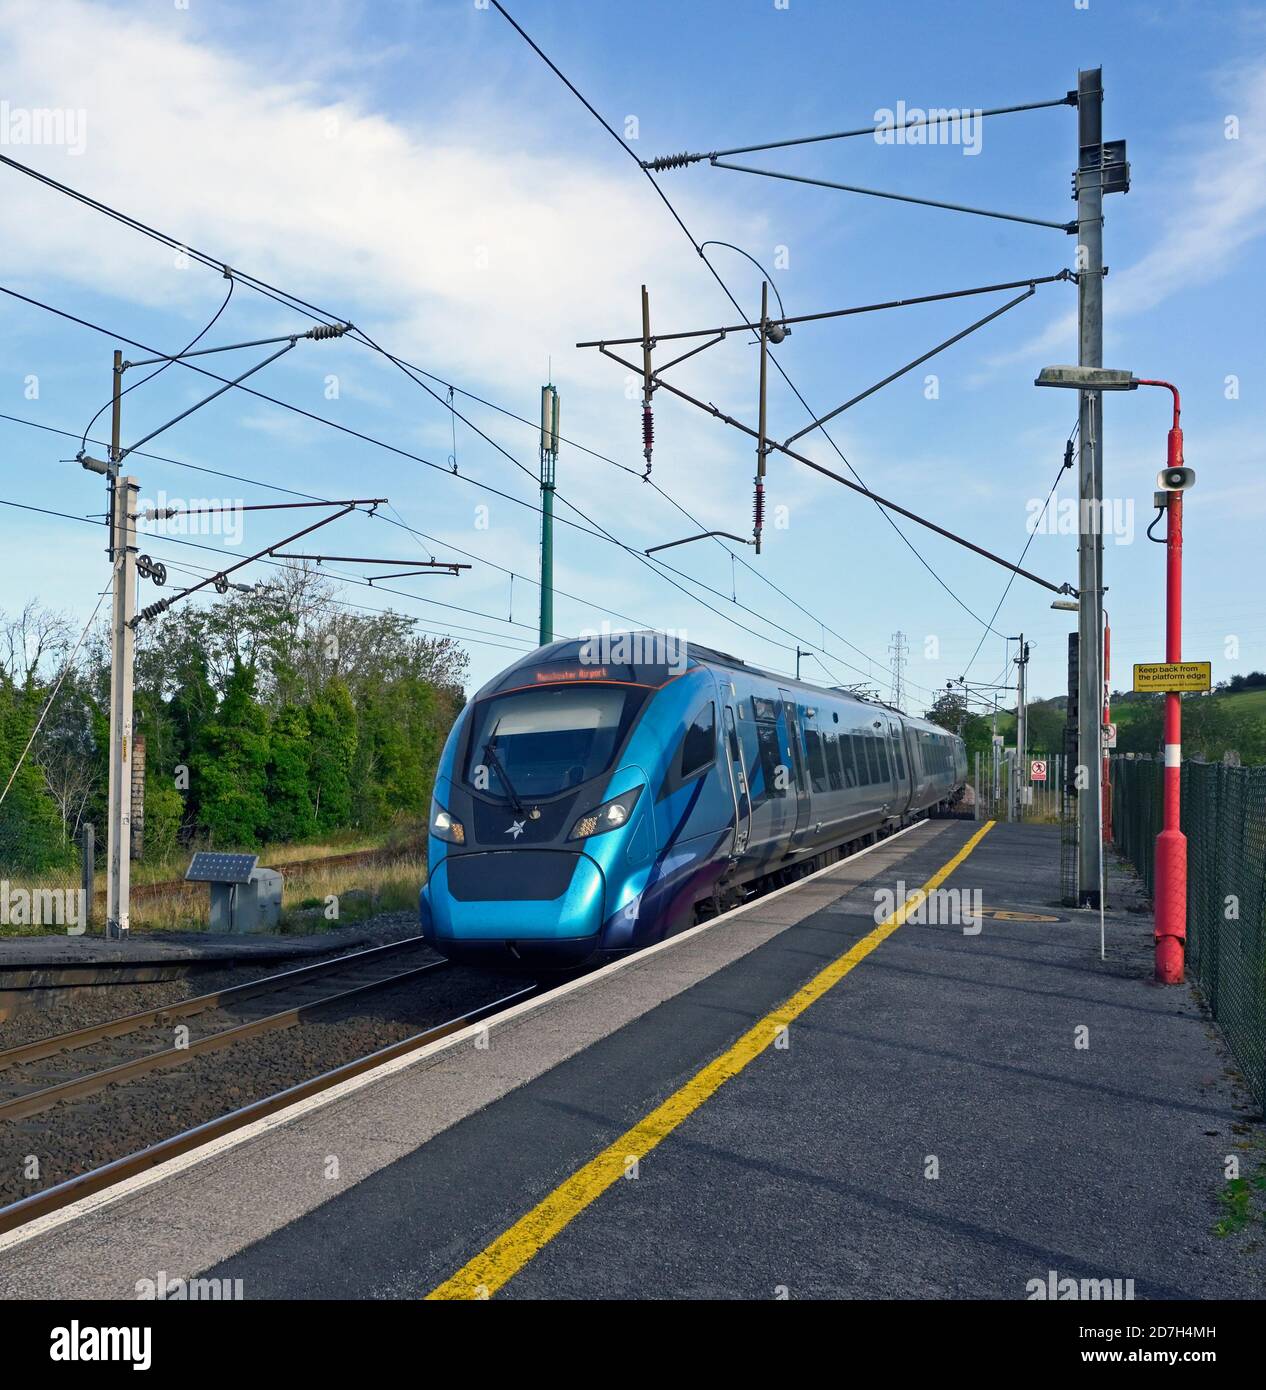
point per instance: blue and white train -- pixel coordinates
(584, 808)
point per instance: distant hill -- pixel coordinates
(1211, 723)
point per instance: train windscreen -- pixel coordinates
(546, 740)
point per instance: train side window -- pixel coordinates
(699, 745)
(770, 760)
(817, 762)
(846, 758)
(881, 751)
(834, 768)
(859, 757)
(897, 756)
(872, 763)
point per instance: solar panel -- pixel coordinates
(207, 866)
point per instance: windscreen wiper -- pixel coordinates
(491, 756)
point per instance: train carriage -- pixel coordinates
(588, 807)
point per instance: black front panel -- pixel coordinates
(495, 821)
(528, 875)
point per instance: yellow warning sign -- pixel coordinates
(1173, 675)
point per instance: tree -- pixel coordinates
(1046, 728)
(292, 714)
(332, 722)
(32, 836)
(290, 812)
(230, 767)
(949, 710)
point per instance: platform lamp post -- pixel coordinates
(1170, 882)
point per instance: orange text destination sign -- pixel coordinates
(582, 673)
(1173, 675)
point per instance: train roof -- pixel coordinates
(622, 644)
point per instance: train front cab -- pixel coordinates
(615, 802)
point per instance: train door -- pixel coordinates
(897, 752)
(793, 752)
(738, 783)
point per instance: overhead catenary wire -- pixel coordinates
(322, 316)
(593, 529)
(606, 125)
(311, 309)
(197, 338)
(637, 554)
(1065, 464)
(455, 630)
(294, 492)
(678, 161)
(277, 564)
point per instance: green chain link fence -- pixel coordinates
(1224, 820)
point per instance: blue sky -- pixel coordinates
(415, 167)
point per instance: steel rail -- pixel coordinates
(129, 1023)
(34, 1102)
(85, 1184)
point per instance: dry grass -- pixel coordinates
(360, 891)
(318, 900)
(146, 871)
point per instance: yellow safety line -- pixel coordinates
(500, 1261)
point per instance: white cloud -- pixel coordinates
(446, 235)
(1213, 205)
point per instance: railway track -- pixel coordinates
(92, 1105)
(108, 1174)
(325, 983)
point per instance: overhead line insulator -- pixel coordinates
(671, 161)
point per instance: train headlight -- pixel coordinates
(445, 826)
(611, 815)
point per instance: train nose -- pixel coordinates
(517, 902)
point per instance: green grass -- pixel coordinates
(1250, 702)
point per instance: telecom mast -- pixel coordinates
(898, 648)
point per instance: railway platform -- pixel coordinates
(835, 1091)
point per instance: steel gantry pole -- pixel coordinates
(549, 460)
(123, 493)
(122, 655)
(1089, 185)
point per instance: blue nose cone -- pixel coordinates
(514, 895)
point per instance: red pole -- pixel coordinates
(1170, 891)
